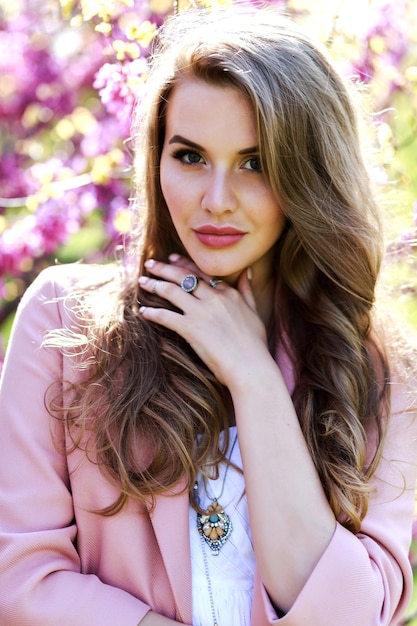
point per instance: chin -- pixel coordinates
(231, 279)
(228, 274)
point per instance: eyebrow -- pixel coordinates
(196, 146)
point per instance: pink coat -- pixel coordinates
(61, 564)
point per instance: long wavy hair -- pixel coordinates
(150, 410)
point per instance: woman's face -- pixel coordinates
(218, 197)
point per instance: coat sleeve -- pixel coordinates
(365, 579)
(41, 583)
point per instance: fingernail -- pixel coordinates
(150, 263)
(142, 280)
(174, 257)
(249, 273)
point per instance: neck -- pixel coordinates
(263, 292)
(264, 304)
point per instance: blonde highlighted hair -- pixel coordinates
(153, 388)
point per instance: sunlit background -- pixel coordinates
(70, 73)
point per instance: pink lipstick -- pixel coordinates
(218, 236)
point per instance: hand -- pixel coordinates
(221, 324)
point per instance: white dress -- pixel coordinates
(231, 572)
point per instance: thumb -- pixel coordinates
(244, 287)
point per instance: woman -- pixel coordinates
(218, 438)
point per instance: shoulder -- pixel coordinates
(61, 295)
(67, 278)
(70, 286)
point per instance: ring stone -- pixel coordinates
(189, 283)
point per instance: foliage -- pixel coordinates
(71, 73)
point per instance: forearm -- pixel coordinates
(291, 520)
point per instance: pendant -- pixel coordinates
(214, 526)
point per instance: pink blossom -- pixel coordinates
(120, 85)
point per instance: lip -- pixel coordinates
(218, 236)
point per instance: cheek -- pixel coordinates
(274, 218)
(279, 226)
(176, 204)
(178, 193)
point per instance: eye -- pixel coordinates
(188, 157)
(253, 164)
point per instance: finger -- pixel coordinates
(216, 283)
(166, 271)
(186, 263)
(176, 274)
(167, 290)
(181, 261)
(163, 317)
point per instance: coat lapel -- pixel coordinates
(170, 520)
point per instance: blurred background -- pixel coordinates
(70, 73)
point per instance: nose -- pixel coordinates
(219, 195)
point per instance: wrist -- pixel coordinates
(255, 375)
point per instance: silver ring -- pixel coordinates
(213, 282)
(189, 283)
(155, 287)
